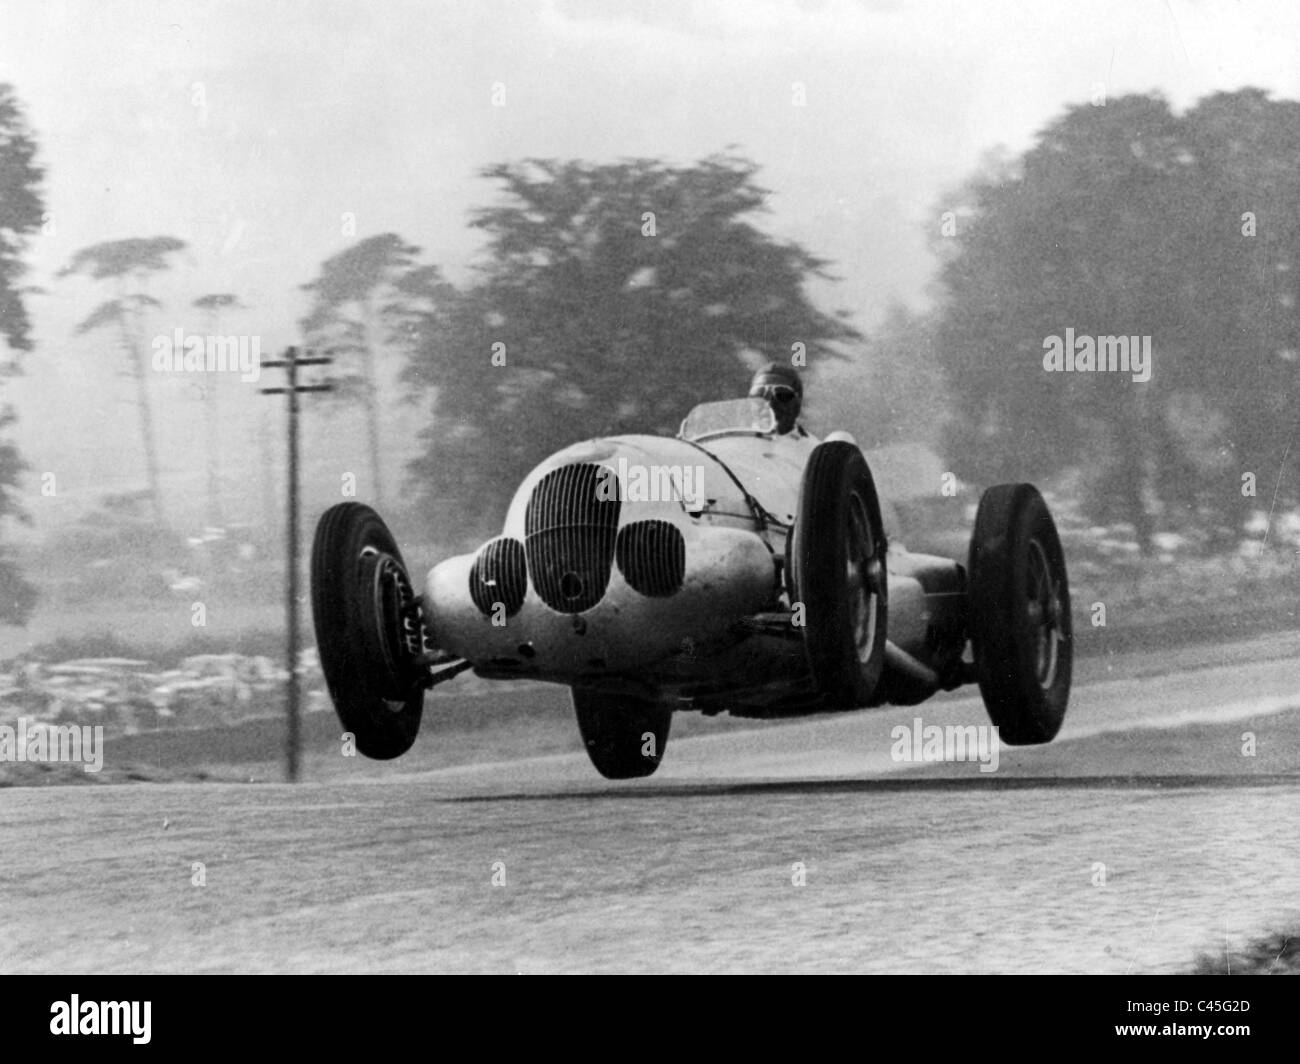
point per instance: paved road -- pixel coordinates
(794, 848)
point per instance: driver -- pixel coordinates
(781, 387)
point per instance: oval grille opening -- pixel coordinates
(569, 537)
(499, 575)
(652, 557)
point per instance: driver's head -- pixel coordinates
(781, 387)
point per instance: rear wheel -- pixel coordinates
(838, 571)
(368, 630)
(1020, 614)
(625, 737)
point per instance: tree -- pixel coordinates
(1128, 220)
(21, 214)
(358, 309)
(1247, 316)
(611, 298)
(893, 391)
(129, 262)
(1088, 231)
(214, 304)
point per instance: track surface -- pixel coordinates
(699, 869)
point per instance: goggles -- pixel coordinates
(775, 393)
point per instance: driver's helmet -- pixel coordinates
(781, 387)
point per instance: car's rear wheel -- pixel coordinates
(368, 630)
(1021, 632)
(624, 736)
(838, 574)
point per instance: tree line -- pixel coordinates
(613, 297)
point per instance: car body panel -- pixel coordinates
(770, 468)
(723, 636)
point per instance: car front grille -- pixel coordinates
(652, 557)
(570, 532)
(499, 576)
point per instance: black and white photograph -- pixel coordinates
(651, 487)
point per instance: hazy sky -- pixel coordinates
(249, 129)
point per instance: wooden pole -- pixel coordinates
(290, 364)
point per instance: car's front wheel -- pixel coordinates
(838, 581)
(368, 630)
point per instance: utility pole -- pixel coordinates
(290, 363)
(268, 475)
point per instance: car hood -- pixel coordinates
(725, 468)
(770, 467)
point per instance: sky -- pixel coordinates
(253, 131)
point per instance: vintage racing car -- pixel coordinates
(731, 568)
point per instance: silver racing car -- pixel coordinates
(730, 568)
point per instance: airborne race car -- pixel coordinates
(729, 568)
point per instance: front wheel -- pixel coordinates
(1020, 614)
(625, 737)
(368, 630)
(838, 574)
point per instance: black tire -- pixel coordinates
(367, 631)
(838, 563)
(625, 737)
(1020, 615)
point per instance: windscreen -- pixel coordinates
(729, 415)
